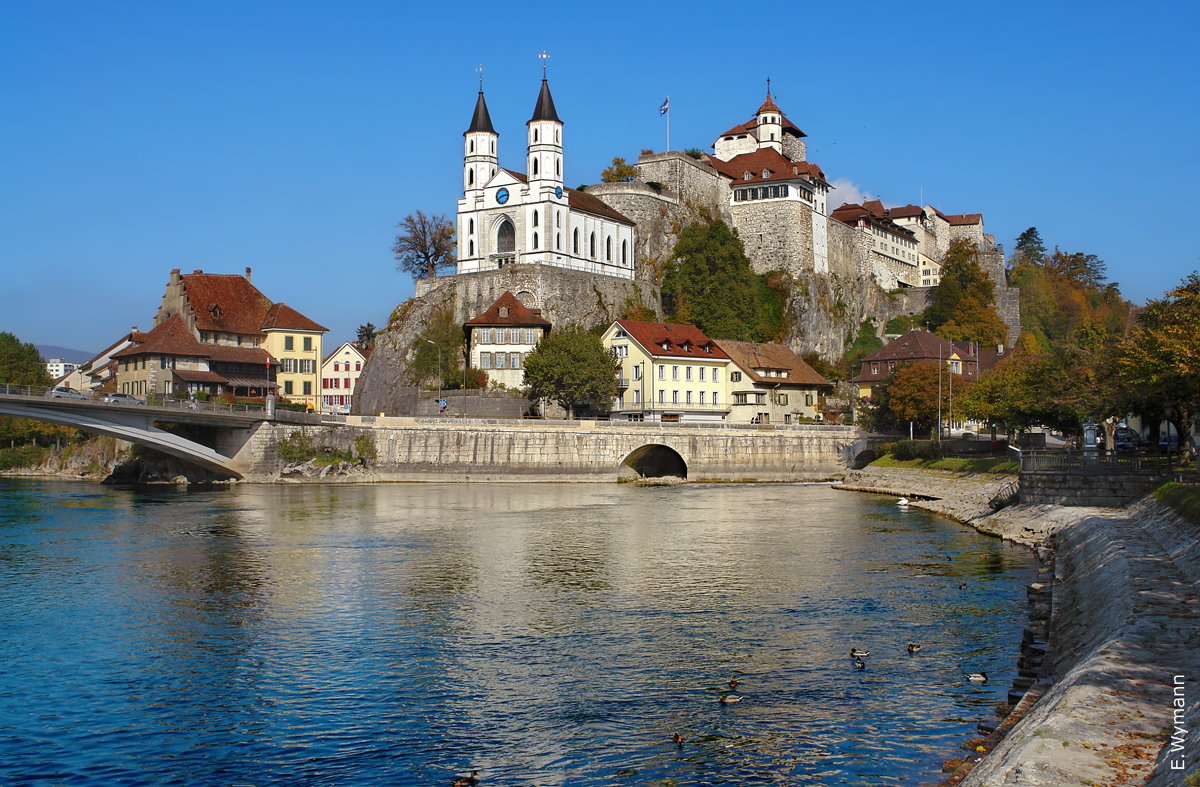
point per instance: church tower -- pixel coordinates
(480, 159)
(770, 124)
(545, 145)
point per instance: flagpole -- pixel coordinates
(668, 123)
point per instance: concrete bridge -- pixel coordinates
(244, 443)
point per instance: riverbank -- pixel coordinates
(1123, 662)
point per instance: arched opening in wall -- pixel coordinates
(535, 134)
(575, 242)
(535, 166)
(471, 146)
(526, 298)
(470, 248)
(625, 252)
(535, 218)
(652, 461)
(608, 249)
(506, 237)
(470, 177)
(592, 246)
(535, 240)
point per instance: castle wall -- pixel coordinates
(794, 148)
(776, 234)
(691, 181)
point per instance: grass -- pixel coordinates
(1183, 500)
(953, 465)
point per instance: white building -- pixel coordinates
(499, 340)
(339, 376)
(57, 368)
(507, 217)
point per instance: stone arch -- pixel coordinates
(652, 461)
(526, 298)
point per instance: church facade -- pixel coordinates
(507, 217)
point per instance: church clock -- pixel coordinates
(558, 192)
(502, 196)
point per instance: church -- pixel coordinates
(507, 217)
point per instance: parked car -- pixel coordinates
(121, 398)
(1125, 439)
(65, 392)
(1170, 442)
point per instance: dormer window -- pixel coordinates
(766, 173)
(215, 311)
(747, 175)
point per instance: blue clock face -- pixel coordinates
(502, 196)
(558, 192)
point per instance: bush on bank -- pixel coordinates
(952, 465)
(1183, 500)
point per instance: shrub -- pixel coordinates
(364, 449)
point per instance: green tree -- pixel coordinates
(619, 172)
(911, 395)
(425, 245)
(1029, 248)
(21, 363)
(1021, 391)
(365, 336)
(962, 306)
(863, 344)
(571, 367)
(439, 350)
(709, 283)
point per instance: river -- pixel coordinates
(545, 634)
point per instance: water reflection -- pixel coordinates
(543, 634)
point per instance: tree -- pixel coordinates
(438, 350)
(962, 307)
(1019, 392)
(863, 344)
(571, 367)
(1029, 248)
(21, 363)
(709, 283)
(619, 172)
(425, 245)
(365, 336)
(911, 395)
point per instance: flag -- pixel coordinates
(666, 106)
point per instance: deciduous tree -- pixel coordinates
(571, 367)
(619, 171)
(962, 307)
(911, 394)
(439, 350)
(425, 245)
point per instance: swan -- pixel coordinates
(902, 501)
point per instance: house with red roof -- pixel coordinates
(669, 372)
(769, 383)
(499, 340)
(339, 377)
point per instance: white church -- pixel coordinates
(507, 217)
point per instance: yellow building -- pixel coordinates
(668, 373)
(295, 341)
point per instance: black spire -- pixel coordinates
(481, 120)
(545, 105)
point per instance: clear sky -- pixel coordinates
(291, 137)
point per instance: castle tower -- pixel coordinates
(770, 125)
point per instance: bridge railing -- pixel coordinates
(158, 401)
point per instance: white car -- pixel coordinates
(121, 398)
(65, 392)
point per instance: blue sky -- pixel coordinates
(292, 137)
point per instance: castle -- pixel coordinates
(758, 179)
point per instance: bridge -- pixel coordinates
(134, 423)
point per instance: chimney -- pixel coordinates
(247, 273)
(197, 271)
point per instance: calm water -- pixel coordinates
(544, 635)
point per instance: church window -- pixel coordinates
(608, 249)
(558, 241)
(625, 252)
(506, 237)
(557, 166)
(535, 166)
(592, 246)
(535, 240)
(471, 146)
(470, 226)
(470, 177)
(535, 134)
(557, 138)
(470, 248)
(575, 242)
(535, 218)
(558, 219)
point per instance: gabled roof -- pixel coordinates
(507, 310)
(353, 346)
(913, 347)
(282, 316)
(851, 213)
(681, 341)
(960, 219)
(225, 302)
(169, 337)
(779, 167)
(481, 120)
(749, 356)
(544, 109)
(588, 203)
(748, 127)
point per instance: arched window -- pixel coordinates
(506, 237)
(608, 249)
(558, 241)
(558, 219)
(470, 226)
(625, 252)
(471, 146)
(470, 177)
(575, 242)
(557, 166)
(535, 134)
(535, 166)
(470, 248)
(535, 240)
(592, 246)
(535, 218)
(556, 137)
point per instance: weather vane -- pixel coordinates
(545, 58)
(768, 86)
(480, 70)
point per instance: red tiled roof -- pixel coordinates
(850, 213)
(768, 105)
(225, 302)
(169, 337)
(252, 355)
(962, 219)
(755, 355)
(280, 315)
(904, 212)
(518, 175)
(516, 313)
(912, 347)
(190, 376)
(581, 200)
(749, 126)
(779, 167)
(740, 128)
(682, 341)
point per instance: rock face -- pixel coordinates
(564, 296)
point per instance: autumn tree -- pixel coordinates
(571, 367)
(709, 282)
(962, 307)
(425, 245)
(913, 393)
(618, 171)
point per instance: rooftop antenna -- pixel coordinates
(545, 58)
(768, 87)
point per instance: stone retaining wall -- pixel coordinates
(1085, 489)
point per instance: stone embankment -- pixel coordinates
(1120, 685)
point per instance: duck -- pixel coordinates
(963, 586)
(977, 677)
(467, 781)
(914, 647)
(729, 699)
(859, 664)
(677, 739)
(902, 501)
(858, 654)
(734, 683)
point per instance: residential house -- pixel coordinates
(339, 377)
(168, 361)
(99, 372)
(768, 383)
(499, 340)
(891, 248)
(962, 358)
(668, 372)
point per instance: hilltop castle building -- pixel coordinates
(507, 217)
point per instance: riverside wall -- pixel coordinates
(1118, 700)
(452, 450)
